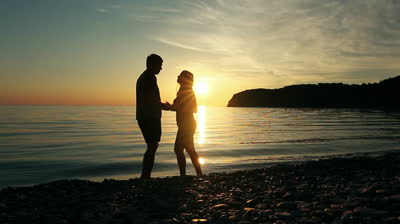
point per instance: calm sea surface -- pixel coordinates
(45, 143)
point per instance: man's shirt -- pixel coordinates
(148, 101)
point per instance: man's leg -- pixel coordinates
(148, 159)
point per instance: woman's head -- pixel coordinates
(185, 79)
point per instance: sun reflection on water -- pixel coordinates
(201, 125)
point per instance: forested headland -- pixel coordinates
(382, 95)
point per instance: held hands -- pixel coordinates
(166, 106)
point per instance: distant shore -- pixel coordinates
(382, 96)
(360, 189)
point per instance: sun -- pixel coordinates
(201, 88)
(202, 161)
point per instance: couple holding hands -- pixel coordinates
(148, 115)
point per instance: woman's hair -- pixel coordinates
(187, 78)
(185, 98)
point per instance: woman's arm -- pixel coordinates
(174, 106)
(166, 106)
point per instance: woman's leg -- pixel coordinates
(194, 157)
(180, 156)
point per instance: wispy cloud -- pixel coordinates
(290, 38)
(178, 44)
(101, 10)
(165, 10)
(106, 8)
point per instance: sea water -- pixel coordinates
(45, 143)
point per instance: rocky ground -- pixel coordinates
(339, 190)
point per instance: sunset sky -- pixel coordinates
(91, 52)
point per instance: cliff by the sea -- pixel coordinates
(382, 95)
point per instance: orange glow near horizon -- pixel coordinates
(64, 99)
(103, 91)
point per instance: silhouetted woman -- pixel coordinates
(185, 105)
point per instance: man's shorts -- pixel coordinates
(151, 130)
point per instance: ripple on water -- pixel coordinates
(43, 143)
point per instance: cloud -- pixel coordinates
(178, 44)
(165, 10)
(290, 38)
(108, 8)
(101, 10)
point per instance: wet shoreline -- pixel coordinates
(352, 189)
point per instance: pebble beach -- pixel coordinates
(346, 189)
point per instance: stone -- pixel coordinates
(249, 209)
(395, 197)
(200, 221)
(283, 215)
(267, 212)
(350, 204)
(304, 196)
(162, 221)
(312, 220)
(380, 213)
(220, 206)
(286, 205)
(335, 206)
(244, 222)
(261, 206)
(328, 210)
(390, 220)
(233, 218)
(349, 217)
(233, 202)
(321, 214)
(305, 210)
(251, 202)
(363, 211)
(288, 195)
(309, 205)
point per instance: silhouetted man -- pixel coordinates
(148, 110)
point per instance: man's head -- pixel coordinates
(154, 63)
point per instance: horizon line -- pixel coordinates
(67, 104)
(77, 105)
